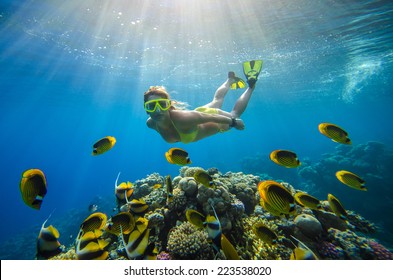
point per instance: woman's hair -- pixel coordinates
(161, 91)
(156, 90)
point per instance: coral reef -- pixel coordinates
(236, 202)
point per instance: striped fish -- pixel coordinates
(285, 158)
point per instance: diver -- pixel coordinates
(179, 125)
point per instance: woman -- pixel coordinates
(187, 126)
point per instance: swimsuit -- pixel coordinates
(190, 137)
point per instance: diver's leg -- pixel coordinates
(241, 103)
(221, 92)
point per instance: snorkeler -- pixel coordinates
(178, 125)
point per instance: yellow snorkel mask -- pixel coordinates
(152, 105)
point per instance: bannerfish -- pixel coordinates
(137, 243)
(302, 252)
(285, 158)
(90, 246)
(138, 206)
(335, 133)
(351, 180)
(214, 230)
(124, 190)
(177, 156)
(33, 188)
(48, 244)
(103, 145)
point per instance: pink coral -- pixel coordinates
(380, 252)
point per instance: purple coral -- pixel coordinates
(329, 251)
(380, 252)
(163, 256)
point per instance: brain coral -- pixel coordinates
(187, 242)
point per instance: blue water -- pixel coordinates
(73, 72)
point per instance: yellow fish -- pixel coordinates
(103, 145)
(90, 246)
(33, 188)
(351, 180)
(123, 220)
(204, 178)
(277, 196)
(269, 208)
(334, 132)
(265, 234)
(337, 207)
(48, 245)
(307, 200)
(96, 220)
(137, 243)
(138, 206)
(302, 252)
(195, 218)
(214, 230)
(228, 249)
(124, 190)
(285, 158)
(177, 156)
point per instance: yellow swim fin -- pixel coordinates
(251, 70)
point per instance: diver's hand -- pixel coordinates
(239, 124)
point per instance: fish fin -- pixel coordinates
(117, 179)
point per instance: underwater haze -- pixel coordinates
(73, 72)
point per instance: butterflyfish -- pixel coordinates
(335, 133)
(103, 145)
(125, 220)
(308, 201)
(137, 243)
(48, 244)
(124, 190)
(96, 220)
(285, 158)
(265, 233)
(269, 208)
(33, 187)
(177, 156)
(228, 249)
(337, 207)
(302, 252)
(351, 180)
(277, 196)
(195, 218)
(202, 177)
(90, 246)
